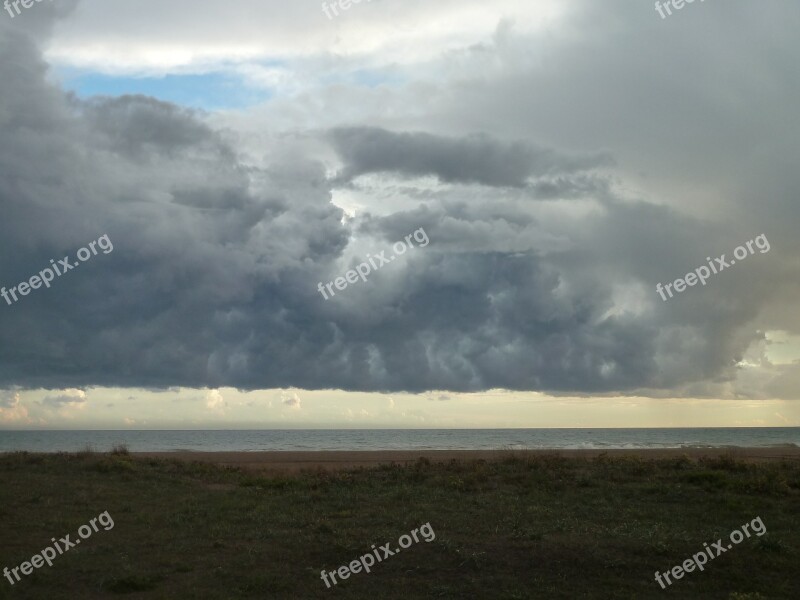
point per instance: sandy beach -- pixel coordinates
(332, 460)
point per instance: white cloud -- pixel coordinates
(124, 37)
(8, 399)
(291, 400)
(215, 402)
(11, 409)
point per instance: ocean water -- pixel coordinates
(399, 439)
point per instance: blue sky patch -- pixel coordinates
(211, 91)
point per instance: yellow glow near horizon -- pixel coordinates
(227, 408)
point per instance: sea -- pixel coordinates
(398, 439)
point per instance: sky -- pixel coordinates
(533, 174)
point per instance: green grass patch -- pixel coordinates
(519, 527)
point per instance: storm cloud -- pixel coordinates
(542, 263)
(473, 159)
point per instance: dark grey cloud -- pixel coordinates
(140, 127)
(37, 22)
(474, 159)
(546, 318)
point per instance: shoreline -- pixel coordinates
(297, 460)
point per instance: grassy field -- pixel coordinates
(545, 527)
